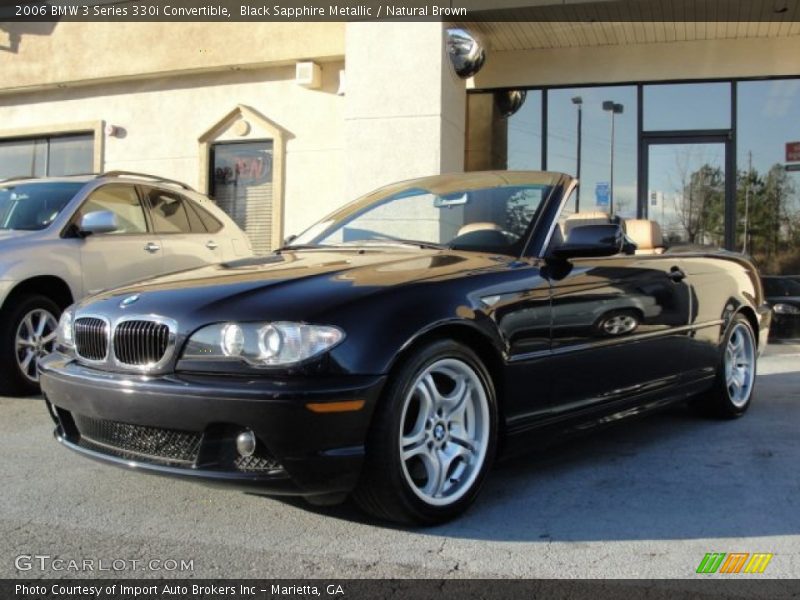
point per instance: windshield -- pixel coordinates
(781, 286)
(493, 214)
(33, 206)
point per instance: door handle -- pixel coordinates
(212, 245)
(676, 274)
(152, 247)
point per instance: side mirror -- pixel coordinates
(592, 241)
(100, 221)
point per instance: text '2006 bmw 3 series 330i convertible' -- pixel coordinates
(393, 350)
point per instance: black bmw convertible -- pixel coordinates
(393, 350)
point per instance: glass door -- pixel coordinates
(686, 189)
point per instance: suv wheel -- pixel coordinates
(27, 332)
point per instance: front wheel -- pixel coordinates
(732, 391)
(27, 332)
(433, 437)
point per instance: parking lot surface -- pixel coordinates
(644, 499)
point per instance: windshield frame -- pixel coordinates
(438, 185)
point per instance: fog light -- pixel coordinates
(246, 443)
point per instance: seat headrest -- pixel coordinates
(478, 226)
(645, 233)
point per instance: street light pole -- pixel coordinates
(578, 101)
(615, 109)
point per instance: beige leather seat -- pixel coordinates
(646, 234)
(478, 226)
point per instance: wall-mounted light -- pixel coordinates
(509, 101)
(466, 52)
(113, 130)
(308, 74)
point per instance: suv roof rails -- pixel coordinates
(145, 176)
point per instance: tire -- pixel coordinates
(439, 410)
(21, 344)
(732, 392)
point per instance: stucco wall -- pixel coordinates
(405, 109)
(163, 118)
(39, 55)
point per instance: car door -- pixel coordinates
(185, 239)
(619, 328)
(130, 253)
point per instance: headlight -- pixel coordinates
(64, 337)
(786, 309)
(262, 344)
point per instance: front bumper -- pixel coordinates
(185, 426)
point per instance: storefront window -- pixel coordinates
(497, 140)
(686, 194)
(599, 109)
(767, 195)
(687, 106)
(70, 155)
(242, 185)
(686, 152)
(525, 135)
(53, 156)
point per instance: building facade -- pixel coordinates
(689, 123)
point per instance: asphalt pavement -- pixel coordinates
(645, 499)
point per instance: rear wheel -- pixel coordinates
(27, 332)
(736, 373)
(433, 437)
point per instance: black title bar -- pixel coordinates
(456, 11)
(704, 587)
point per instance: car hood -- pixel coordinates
(6, 234)
(291, 285)
(16, 247)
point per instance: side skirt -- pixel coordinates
(542, 432)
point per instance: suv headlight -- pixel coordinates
(262, 344)
(65, 337)
(786, 309)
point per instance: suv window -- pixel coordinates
(210, 222)
(170, 215)
(123, 201)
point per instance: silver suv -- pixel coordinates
(68, 237)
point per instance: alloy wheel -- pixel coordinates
(740, 365)
(619, 324)
(444, 432)
(36, 335)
